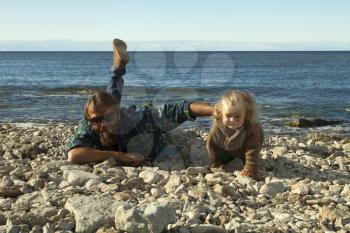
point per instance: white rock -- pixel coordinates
(279, 150)
(244, 180)
(233, 225)
(153, 219)
(345, 193)
(92, 212)
(130, 219)
(159, 215)
(346, 147)
(65, 225)
(281, 215)
(150, 177)
(227, 191)
(5, 203)
(206, 228)
(157, 192)
(173, 183)
(300, 188)
(319, 149)
(92, 184)
(78, 177)
(214, 178)
(272, 188)
(196, 170)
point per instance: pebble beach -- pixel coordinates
(307, 188)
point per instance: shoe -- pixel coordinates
(121, 57)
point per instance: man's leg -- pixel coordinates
(120, 59)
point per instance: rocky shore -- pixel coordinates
(307, 190)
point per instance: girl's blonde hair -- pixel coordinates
(236, 97)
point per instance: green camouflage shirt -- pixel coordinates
(139, 130)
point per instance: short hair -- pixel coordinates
(99, 101)
(235, 97)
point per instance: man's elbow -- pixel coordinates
(72, 156)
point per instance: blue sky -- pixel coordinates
(246, 22)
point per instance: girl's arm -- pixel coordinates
(213, 153)
(251, 148)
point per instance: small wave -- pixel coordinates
(4, 106)
(72, 89)
(347, 109)
(28, 95)
(29, 125)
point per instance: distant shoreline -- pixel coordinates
(172, 51)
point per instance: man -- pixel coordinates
(127, 135)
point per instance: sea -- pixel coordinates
(52, 87)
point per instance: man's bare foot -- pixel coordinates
(121, 57)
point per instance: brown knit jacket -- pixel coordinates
(245, 141)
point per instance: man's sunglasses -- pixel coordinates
(108, 118)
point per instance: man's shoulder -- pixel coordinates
(84, 126)
(137, 111)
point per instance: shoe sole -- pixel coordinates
(121, 47)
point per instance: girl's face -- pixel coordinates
(233, 116)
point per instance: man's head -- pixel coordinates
(103, 112)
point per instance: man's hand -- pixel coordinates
(135, 159)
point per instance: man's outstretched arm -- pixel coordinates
(83, 155)
(201, 109)
(171, 115)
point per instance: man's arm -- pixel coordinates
(83, 155)
(83, 148)
(200, 109)
(170, 116)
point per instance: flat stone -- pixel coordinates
(233, 225)
(197, 192)
(65, 224)
(214, 178)
(150, 177)
(78, 177)
(5, 203)
(280, 215)
(346, 147)
(157, 191)
(11, 191)
(300, 188)
(345, 193)
(173, 183)
(279, 151)
(272, 188)
(207, 229)
(134, 183)
(159, 215)
(92, 212)
(153, 219)
(131, 219)
(327, 213)
(244, 180)
(197, 170)
(227, 191)
(107, 230)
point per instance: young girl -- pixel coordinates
(235, 132)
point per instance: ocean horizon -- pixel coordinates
(52, 86)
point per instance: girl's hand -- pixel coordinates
(246, 172)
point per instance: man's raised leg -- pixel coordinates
(120, 60)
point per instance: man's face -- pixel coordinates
(104, 123)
